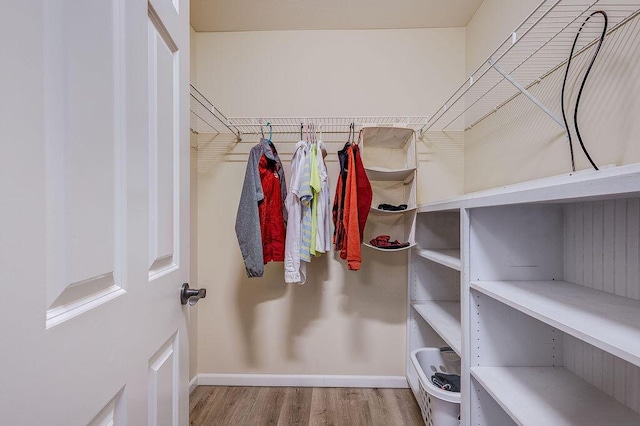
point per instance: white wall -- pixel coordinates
(520, 143)
(340, 322)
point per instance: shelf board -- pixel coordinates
(389, 175)
(551, 396)
(376, 210)
(588, 185)
(444, 318)
(448, 258)
(390, 250)
(609, 322)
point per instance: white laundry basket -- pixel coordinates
(438, 407)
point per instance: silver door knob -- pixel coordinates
(191, 295)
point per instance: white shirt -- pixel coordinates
(294, 270)
(323, 230)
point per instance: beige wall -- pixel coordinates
(353, 323)
(520, 143)
(492, 23)
(193, 312)
(340, 322)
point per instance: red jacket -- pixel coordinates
(262, 215)
(272, 228)
(365, 193)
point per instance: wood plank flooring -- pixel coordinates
(255, 406)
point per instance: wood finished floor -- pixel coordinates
(255, 406)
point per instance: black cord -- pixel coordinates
(584, 81)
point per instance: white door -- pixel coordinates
(94, 210)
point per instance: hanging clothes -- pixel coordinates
(294, 270)
(262, 215)
(365, 193)
(351, 205)
(323, 231)
(339, 199)
(316, 187)
(306, 199)
(351, 250)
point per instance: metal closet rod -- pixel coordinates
(294, 128)
(265, 124)
(326, 121)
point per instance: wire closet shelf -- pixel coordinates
(537, 48)
(327, 125)
(207, 119)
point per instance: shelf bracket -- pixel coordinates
(528, 94)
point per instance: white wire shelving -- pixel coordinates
(537, 48)
(327, 125)
(205, 117)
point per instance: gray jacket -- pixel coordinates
(248, 218)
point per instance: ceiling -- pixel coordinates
(281, 15)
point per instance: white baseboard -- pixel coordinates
(193, 383)
(318, 381)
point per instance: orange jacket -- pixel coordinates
(351, 250)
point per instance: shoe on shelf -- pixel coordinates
(392, 208)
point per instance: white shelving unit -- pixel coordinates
(434, 279)
(549, 298)
(548, 270)
(389, 158)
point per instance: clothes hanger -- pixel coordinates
(262, 131)
(322, 148)
(352, 130)
(301, 128)
(270, 132)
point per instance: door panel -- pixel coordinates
(163, 385)
(164, 140)
(84, 142)
(112, 414)
(95, 181)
